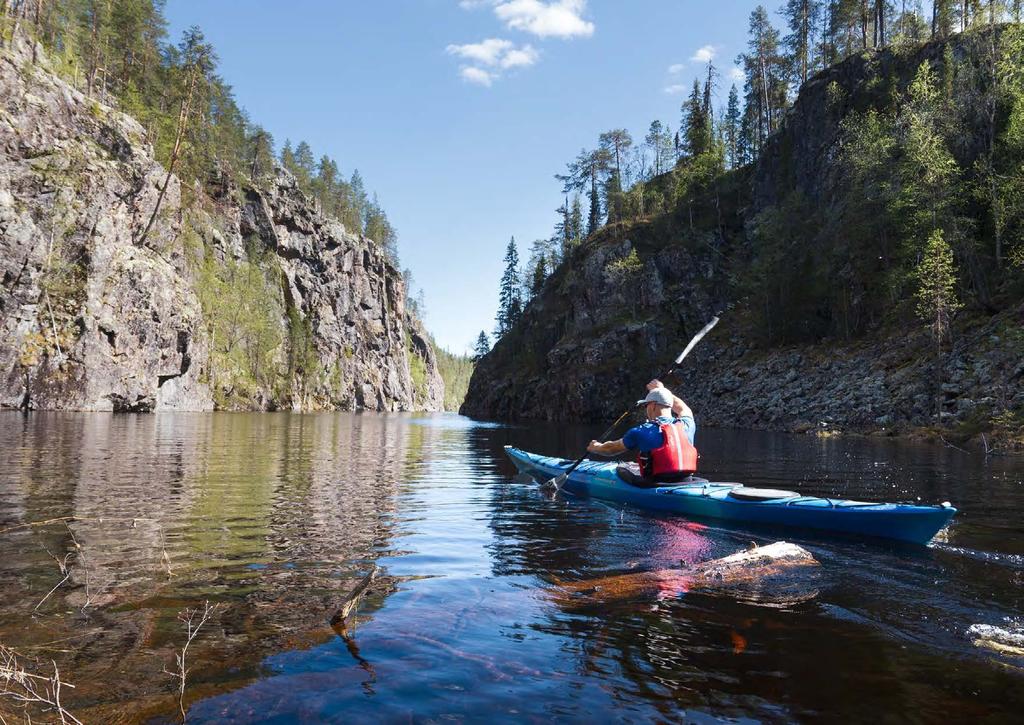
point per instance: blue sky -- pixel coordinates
(458, 114)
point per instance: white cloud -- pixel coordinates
(488, 51)
(558, 19)
(472, 4)
(495, 55)
(472, 74)
(675, 89)
(676, 68)
(520, 57)
(736, 74)
(704, 54)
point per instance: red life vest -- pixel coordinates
(676, 456)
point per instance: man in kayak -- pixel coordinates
(663, 444)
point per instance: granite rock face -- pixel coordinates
(93, 317)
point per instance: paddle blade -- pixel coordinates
(556, 482)
(696, 338)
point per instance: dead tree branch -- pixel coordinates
(192, 627)
(19, 685)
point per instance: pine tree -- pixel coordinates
(614, 144)
(262, 153)
(802, 17)
(358, 204)
(659, 141)
(589, 169)
(199, 60)
(304, 166)
(288, 157)
(936, 299)
(509, 295)
(325, 185)
(482, 347)
(765, 71)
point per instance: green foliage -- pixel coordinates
(417, 370)
(242, 310)
(625, 270)
(304, 366)
(936, 300)
(456, 370)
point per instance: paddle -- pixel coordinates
(558, 480)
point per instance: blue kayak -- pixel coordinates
(732, 501)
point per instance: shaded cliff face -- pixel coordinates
(603, 325)
(240, 298)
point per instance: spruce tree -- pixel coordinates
(731, 130)
(696, 126)
(594, 217)
(576, 220)
(936, 299)
(509, 294)
(540, 273)
(482, 347)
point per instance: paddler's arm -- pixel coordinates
(608, 448)
(679, 408)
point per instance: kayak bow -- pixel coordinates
(731, 501)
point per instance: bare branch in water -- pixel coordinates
(65, 519)
(64, 569)
(192, 627)
(83, 562)
(27, 688)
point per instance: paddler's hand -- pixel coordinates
(594, 447)
(654, 384)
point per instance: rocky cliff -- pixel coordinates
(624, 303)
(241, 296)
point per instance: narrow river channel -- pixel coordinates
(274, 518)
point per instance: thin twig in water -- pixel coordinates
(26, 688)
(192, 627)
(83, 562)
(950, 445)
(64, 569)
(64, 519)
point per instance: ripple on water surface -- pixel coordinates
(275, 518)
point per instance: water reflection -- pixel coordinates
(273, 516)
(276, 517)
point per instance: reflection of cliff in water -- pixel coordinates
(274, 517)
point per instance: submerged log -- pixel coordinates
(780, 573)
(351, 601)
(1008, 642)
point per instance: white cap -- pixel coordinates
(661, 396)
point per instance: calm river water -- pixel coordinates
(275, 517)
